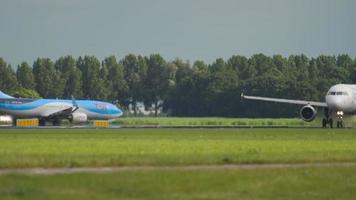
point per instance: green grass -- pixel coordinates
(302, 183)
(349, 121)
(209, 121)
(22, 148)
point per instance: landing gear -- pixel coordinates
(327, 120)
(42, 122)
(14, 122)
(56, 122)
(339, 123)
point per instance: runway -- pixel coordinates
(52, 171)
(155, 126)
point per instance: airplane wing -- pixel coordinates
(66, 112)
(289, 101)
(62, 113)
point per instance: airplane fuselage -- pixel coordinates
(45, 107)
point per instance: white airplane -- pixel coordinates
(339, 100)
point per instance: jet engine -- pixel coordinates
(78, 117)
(308, 113)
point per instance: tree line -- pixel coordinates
(181, 88)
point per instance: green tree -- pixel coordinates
(114, 79)
(181, 89)
(200, 66)
(70, 75)
(156, 82)
(345, 66)
(223, 85)
(135, 69)
(240, 64)
(25, 93)
(93, 86)
(223, 77)
(190, 95)
(48, 82)
(353, 72)
(8, 80)
(328, 74)
(25, 76)
(183, 70)
(299, 75)
(260, 64)
(107, 89)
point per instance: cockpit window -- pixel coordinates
(338, 93)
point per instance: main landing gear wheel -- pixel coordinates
(327, 120)
(42, 122)
(14, 122)
(339, 124)
(56, 122)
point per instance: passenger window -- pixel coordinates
(338, 93)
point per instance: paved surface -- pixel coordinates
(153, 126)
(52, 171)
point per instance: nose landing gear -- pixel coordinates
(339, 123)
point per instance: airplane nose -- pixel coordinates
(118, 111)
(336, 104)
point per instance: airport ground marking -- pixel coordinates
(64, 170)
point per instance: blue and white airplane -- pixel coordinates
(56, 110)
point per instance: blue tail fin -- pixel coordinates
(5, 96)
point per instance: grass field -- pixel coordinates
(21, 148)
(210, 121)
(26, 148)
(306, 183)
(220, 121)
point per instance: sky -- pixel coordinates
(187, 29)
